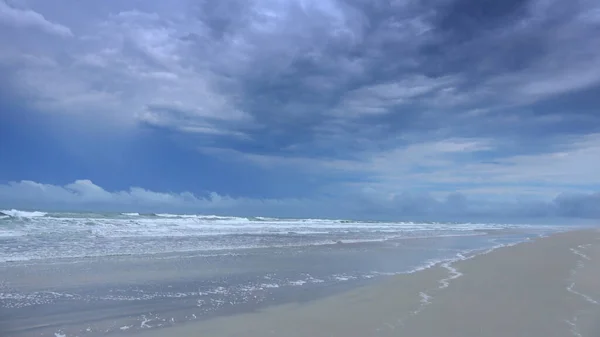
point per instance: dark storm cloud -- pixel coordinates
(494, 52)
(308, 66)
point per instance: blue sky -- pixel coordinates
(356, 109)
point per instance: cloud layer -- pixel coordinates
(232, 67)
(346, 98)
(85, 195)
(28, 18)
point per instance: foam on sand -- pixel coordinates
(580, 264)
(425, 299)
(579, 252)
(145, 321)
(454, 274)
(573, 322)
(493, 297)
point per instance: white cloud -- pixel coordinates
(454, 164)
(382, 98)
(196, 58)
(124, 65)
(574, 165)
(29, 18)
(399, 160)
(85, 195)
(366, 203)
(85, 192)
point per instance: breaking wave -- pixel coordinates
(22, 214)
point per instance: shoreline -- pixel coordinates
(215, 252)
(513, 290)
(186, 295)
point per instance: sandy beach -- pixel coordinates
(509, 282)
(548, 287)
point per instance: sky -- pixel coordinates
(440, 109)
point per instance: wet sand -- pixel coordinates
(548, 287)
(130, 294)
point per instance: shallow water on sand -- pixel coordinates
(131, 272)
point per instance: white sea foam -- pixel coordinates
(23, 214)
(581, 254)
(168, 215)
(202, 217)
(428, 264)
(131, 214)
(145, 321)
(76, 234)
(344, 277)
(574, 329)
(571, 288)
(425, 299)
(448, 263)
(269, 285)
(454, 274)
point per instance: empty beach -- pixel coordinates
(548, 287)
(129, 274)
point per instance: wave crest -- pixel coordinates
(23, 214)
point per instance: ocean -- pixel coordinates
(89, 274)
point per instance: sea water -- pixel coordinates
(103, 272)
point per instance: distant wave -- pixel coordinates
(263, 218)
(22, 214)
(168, 215)
(37, 235)
(202, 217)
